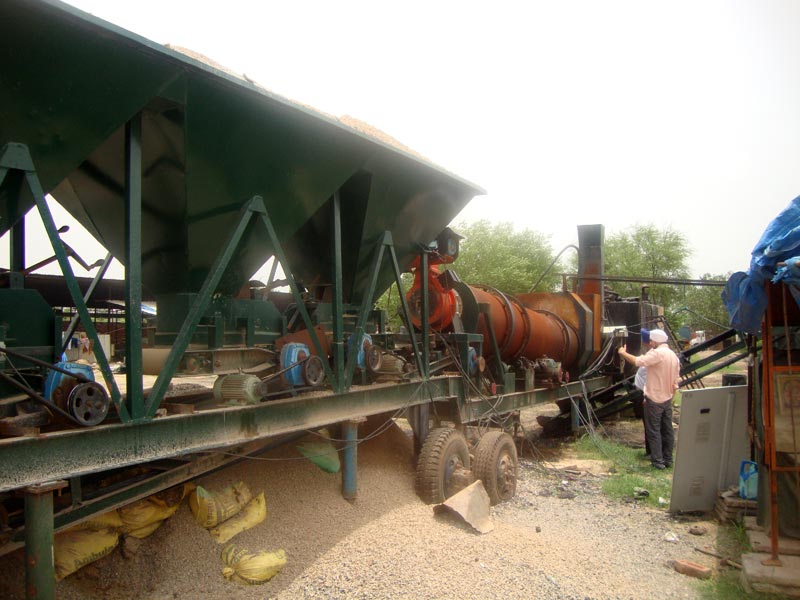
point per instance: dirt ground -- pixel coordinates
(560, 537)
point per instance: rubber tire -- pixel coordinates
(496, 465)
(444, 449)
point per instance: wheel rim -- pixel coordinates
(452, 470)
(506, 476)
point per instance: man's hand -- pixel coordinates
(623, 349)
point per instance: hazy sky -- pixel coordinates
(681, 114)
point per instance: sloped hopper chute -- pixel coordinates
(210, 142)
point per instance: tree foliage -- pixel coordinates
(390, 301)
(496, 255)
(702, 307)
(650, 253)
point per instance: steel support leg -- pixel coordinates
(133, 268)
(339, 383)
(40, 580)
(426, 326)
(419, 419)
(350, 466)
(574, 416)
(17, 241)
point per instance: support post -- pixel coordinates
(272, 271)
(426, 327)
(134, 397)
(419, 418)
(40, 580)
(17, 242)
(574, 416)
(338, 303)
(350, 466)
(76, 491)
(16, 235)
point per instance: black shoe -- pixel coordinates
(659, 466)
(668, 465)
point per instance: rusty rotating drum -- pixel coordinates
(520, 331)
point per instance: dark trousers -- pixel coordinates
(658, 431)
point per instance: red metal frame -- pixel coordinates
(770, 370)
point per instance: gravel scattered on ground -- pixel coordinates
(560, 537)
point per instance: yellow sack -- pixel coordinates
(75, 548)
(142, 515)
(251, 569)
(145, 530)
(173, 496)
(108, 520)
(254, 513)
(142, 518)
(210, 509)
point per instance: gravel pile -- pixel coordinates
(559, 538)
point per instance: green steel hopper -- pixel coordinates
(210, 141)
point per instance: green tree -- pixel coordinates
(496, 255)
(702, 307)
(390, 301)
(648, 252)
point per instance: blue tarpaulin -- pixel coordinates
(744, 295)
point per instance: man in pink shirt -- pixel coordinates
(663, 373)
